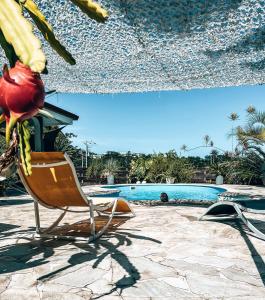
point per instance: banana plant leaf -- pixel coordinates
(46, 30)
(18, 32)
(92, 9)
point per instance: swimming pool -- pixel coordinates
(174, 191)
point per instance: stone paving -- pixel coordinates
(162, 253)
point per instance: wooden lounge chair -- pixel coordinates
(233, 209)
(54, 185)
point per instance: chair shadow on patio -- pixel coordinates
(34, 253)
(15, 202)
(245, 233)
(7, 230)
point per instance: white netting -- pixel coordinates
(151, 45)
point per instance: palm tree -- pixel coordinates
(252, 140)
(211, 144)
(183, 148)
(233, 117)
(206, 139)
(254, 131)
(214, 154)
(251, 109)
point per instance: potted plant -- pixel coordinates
(219, 170)
(170, 180)
(178, 170)
(94, 170)
(111, 168)
(170, 174)
(219, 179)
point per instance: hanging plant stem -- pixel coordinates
(24, 146)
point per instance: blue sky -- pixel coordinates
(158, 121)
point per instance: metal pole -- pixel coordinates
(87, 143)
(232, 140)
(86, 154)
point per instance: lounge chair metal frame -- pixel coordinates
(238, 214)
(100, 210)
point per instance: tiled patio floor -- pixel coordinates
(163, 253)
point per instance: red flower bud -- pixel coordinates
(21, 94)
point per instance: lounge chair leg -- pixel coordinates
(92, 220)
(56, 223)
(249, 225)
(39, 231)
(97, 235)
(37, 216)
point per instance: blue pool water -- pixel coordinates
(152, 192)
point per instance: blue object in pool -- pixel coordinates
(174, 191)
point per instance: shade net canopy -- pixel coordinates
(153, 45)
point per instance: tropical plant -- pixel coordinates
(22, 97)
(157, 166)
(251, 109)
(251, 139)
(160, 167)
(183, 148)
(111, 167)
(254, 131)
(206, 139)
(220, 163)
(218, 169)
(233, 117)
(248, 169)
(214, 154)
(197, 162)
(64, 143)
(95, 169)
(180, 170)
(139, 168)
(123, 159)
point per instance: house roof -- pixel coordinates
(60, 116)
(61, 111)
